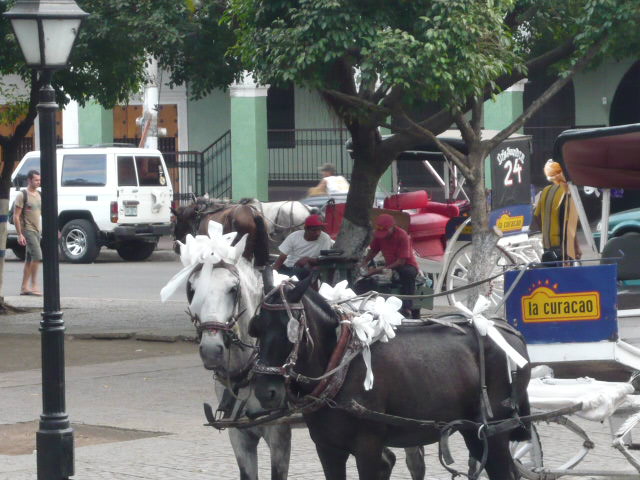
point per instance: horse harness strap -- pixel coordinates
(328, 384)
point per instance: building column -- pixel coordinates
(507, 106)
(95, 124)
(249, 153)
(388, 181)
(70, 123)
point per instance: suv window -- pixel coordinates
(20, 180)
(126, 172)
(150, 171)
(84, 170)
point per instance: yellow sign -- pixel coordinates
(545, 305)
(510, 224)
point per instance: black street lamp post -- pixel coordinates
(46, 31)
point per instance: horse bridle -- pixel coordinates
(329, 383)
(227, 329)
(286, 370)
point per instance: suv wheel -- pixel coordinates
(79, 242)
(136, 251)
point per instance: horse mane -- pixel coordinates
(261, 247)
(321, 303)
(251, 286)
(206, 202)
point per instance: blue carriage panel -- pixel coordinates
(564, 305)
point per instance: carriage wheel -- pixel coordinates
(457, 274)
(527, 456)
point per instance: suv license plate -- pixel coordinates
(130, 210)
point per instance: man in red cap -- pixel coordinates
(395, 245)
(300, 249)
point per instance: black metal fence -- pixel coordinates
(182, 168)
(311, 147)
(215, 176)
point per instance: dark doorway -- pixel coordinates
(555, 116)
(625, 107)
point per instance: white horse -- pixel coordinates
(224, 291)
(282, 218)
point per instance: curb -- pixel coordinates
(142, 337)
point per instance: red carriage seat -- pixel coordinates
(427, 226)
(407, 201)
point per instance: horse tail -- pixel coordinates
(261, 248)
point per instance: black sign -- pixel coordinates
(510, 173)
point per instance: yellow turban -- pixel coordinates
(554, 173)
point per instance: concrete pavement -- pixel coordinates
(163, 395)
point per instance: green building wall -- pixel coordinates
(208, 119)
(594, 92)
(95, 124)
(507, 106)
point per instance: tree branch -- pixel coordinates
(476, 115)
(450, 153)
(554, 88)
(356, 101)
(468, 135)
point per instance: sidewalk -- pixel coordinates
(151, 408)
(158, 403)
(102, 318)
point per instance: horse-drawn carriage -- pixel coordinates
(581, 320)
(440, 230)
(571, 321)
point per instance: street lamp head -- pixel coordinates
(46, 30)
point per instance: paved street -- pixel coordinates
(155, 397)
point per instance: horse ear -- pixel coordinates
(295, 295)
(267, 279)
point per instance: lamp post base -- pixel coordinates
(55, 454)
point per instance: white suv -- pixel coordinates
(118, 197)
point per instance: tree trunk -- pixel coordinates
(484, 254)
(355, 233)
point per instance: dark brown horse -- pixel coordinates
(427, 372)
(240, 218)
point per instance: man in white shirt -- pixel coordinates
(300, 249)
(331, 184)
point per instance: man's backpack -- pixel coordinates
(13, 207)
